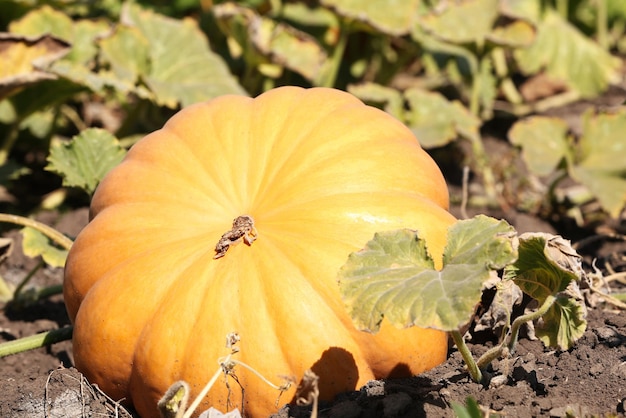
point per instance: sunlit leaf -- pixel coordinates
(81, 33)
(568, 55)
(36, 244)
(390, 98)
(518, 33)
(394, 277)
(601, 165)
(466, 22)
(127, 52)
(437, 121)
(394, 17)
(183, 69)
(24, 60)
(296, 50)
(543, 141)
(85, 160)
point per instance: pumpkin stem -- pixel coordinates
(243, 230)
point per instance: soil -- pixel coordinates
(535, 381)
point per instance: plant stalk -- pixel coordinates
(48, 231)
(32, 342)
(472, 367)
(520, 320)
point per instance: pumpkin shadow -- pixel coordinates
(337, 372)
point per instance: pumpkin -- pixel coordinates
(236, 217)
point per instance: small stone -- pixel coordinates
(373, 388)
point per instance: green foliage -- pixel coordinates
(394, 278)
(595, 159)
(442, 68)
(86, 159)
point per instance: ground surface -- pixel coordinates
(589, 379)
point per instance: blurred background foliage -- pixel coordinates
(81, 81)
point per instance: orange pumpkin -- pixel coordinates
(318, 172)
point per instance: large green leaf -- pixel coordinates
(437, 121)
(568, 55)
(601, 163)
(127, 52)
(183, 69)
(394, 277)
(85, 160)
(543, 141)
(393, 17)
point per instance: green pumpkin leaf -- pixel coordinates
(437, 121)
(36, 244)
(392, 17)
(127, 52)
(183, 69)
(546, 265)
(463, 23)
(296, 50)
(86, 159)
(543, 141)
(390, 98)
(568, 55)
(394, 277)
(601, 165)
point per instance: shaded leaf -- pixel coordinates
(566, 54)
(86, 159)
(393, 17)
(437, 121)
(546, 265)
(183, 69)
(25, 58)
(394, 277)
(543, 141)
(601, 165)
(565, 322)
(35, 244)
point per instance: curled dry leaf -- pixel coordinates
(174, 402)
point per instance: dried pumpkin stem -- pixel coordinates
(36, 341)
(48, 231)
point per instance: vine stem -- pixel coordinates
(520, 320)
(474, 371)
(36, 341)
(48, 231)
